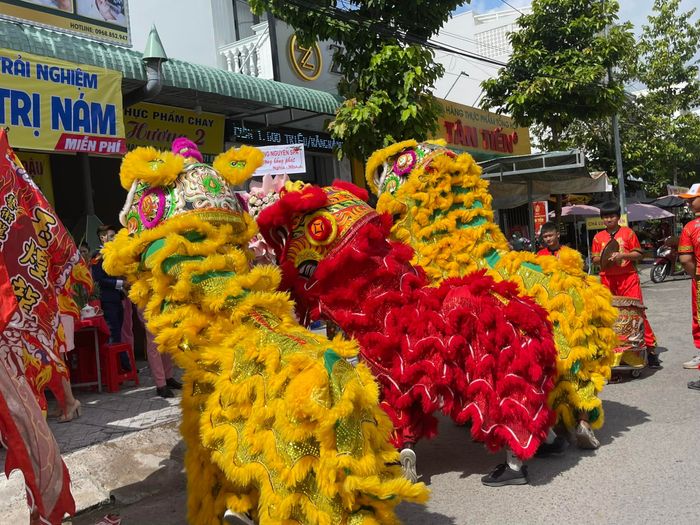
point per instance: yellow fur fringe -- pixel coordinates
(447, 218)
(379, 157)
(237, 164)
(157, 168)
(269, 430)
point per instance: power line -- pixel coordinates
(512, 7)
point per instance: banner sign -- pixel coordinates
(596, 223)
(481, 133)
(258, 135)
(540, 210)
(105, 20)
(282, 159)
(154, 125)
(53, 105)
(38, 166)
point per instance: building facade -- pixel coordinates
(483, 34)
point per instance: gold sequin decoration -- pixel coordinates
(200, 388)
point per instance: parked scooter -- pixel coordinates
(666, 262)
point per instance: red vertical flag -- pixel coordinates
(37, 256)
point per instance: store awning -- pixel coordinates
(519, 179)
(212, 85)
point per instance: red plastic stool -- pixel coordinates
(111, 371)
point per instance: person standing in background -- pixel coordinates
(689, 256)
(111, 294)
(618, 271)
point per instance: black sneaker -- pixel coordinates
(164, 392)
(555, 448)
(173, 383)
(503, 475)
(694, 385)
(653, 361)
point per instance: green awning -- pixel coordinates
(178, 74)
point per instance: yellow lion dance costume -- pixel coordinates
(442, 208)
(278, 424)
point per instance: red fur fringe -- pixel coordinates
(472, 348)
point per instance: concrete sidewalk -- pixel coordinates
(126, 446)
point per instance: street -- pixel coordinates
(646, 470)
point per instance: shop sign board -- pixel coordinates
(53, 105)
(540, 210)
(481, 132)
(596, 223)
(105, 20)
(38, 166)
(260, 135)
(155, 125)
(282, 159)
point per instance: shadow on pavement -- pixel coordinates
(160, 498)
(454, 451)
(619, 419)
(419, 515)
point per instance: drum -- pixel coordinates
(629, 328)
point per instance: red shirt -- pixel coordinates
(628, 242)
(547, 251)
(689, 242)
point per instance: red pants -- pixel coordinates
(628, 285)
(696, 314)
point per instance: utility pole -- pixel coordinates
(616, 146)
(618, 162)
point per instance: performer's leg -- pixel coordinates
(696, 313)
(72, 407)
(113, 321)
(512, 472)
(127, 331)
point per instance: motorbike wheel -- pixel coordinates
(660, 271)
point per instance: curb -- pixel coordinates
(125, 470)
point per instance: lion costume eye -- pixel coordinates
(404, 163)
(321, 228)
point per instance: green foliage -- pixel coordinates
(667, 146)
(389, 101)
(660, 138)
(387, 73)
(557, 72)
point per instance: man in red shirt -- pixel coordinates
(689, 255)
(550, 238)
(619, 273)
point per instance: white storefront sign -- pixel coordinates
(281, 159)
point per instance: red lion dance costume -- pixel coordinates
(36, 258)
(471, 347)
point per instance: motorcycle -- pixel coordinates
(666, 262)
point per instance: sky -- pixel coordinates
(190, 40)
(635, 11)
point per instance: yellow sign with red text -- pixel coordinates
(155, 125)
(38, 166)
(596, 223)
(481, 133)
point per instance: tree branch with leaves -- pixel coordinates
(387, 69)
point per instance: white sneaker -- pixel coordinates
(585, 438)
(235, 518)
(693, 363)
(408, 463)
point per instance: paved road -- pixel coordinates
(647, 471)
